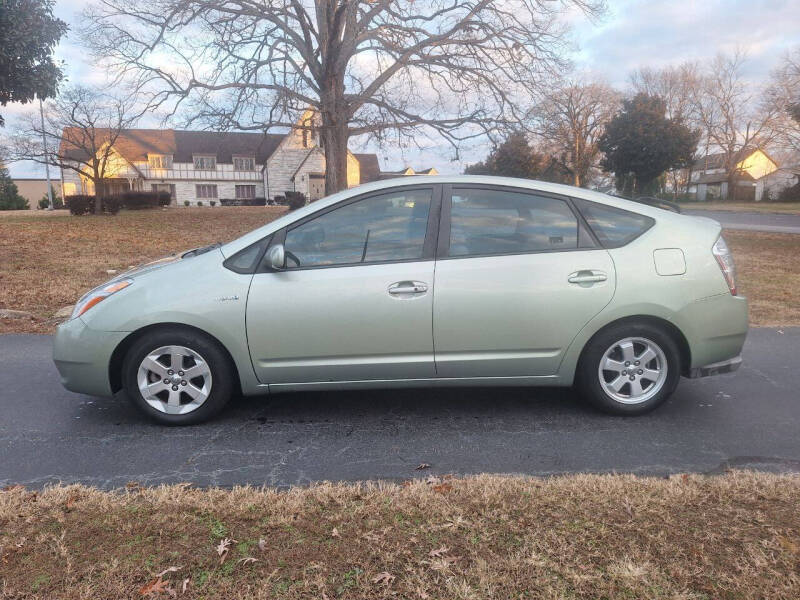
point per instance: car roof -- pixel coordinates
(387, 184)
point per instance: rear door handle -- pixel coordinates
(587, 277)
(407, 288)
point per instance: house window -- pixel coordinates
(244, 163)
(245, 191)
(205, 190)
(208, 163)
(160, 161)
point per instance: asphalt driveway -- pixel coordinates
(747, 419)
(751, 221)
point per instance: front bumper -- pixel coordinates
(82, 356)
(717, 368)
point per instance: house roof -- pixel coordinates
(722, 177)
(136, 144)
(370, 168)
(717, 160)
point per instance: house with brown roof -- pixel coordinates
(754, 174)
(200, 166)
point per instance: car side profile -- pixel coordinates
(421, 281)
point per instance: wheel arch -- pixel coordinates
(668, 327)
(118, 355)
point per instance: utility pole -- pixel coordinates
(46, 164)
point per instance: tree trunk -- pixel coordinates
(98, 196)
(334, 141)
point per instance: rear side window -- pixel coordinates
(612, 226)
(485, 222)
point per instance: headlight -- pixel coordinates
(98, 295)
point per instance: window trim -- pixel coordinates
(443, 247)
(428, 245)
(244, 185)
(197, 186)
(247, 157)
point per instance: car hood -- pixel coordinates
(162, 262)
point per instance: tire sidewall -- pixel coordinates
(589, 381)
(221, 373)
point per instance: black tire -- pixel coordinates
(222, 373)
(588, 376)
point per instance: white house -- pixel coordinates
(200, 166)
(756, 173)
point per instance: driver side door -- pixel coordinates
(355, 300)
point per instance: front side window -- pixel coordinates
(380, 228)
(485, 222)
(244, 163)
(612, 226)
(245, 191)
(206, 190)
(205, 162)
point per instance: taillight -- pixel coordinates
(725, 260)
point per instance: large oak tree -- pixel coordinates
(379, 68)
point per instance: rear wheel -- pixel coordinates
(177, 377)
(629, 369)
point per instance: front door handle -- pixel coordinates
(587, 277)
(407, 288)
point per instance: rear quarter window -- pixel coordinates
(613, 227)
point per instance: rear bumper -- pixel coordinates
(82, 356)
(717, 368)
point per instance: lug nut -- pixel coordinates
(166, 381)
(183, 382)
(624, 372)
(175, 387)
(170, 372)
(627, 363)
(632, 378)
(636, 363)
(181, 372)
(640, 371)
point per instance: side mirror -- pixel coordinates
(277, 257)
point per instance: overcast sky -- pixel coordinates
(634, 33)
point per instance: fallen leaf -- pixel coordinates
(223, 548)
(439, 552)
(184, 586)
(442, 488)
(383, 578)
(335, 533)
(246, 561)
(422, 466)
(157, 586)
(168, 570)
(262, 545)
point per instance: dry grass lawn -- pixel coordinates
(48, 260)
(785, 208)
(585, 536)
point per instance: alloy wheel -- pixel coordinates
(174, 379)
(633, 370)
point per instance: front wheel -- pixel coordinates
(177, 377)
(629, 369)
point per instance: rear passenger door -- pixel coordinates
(518, 274)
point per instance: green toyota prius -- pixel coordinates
(420, 281)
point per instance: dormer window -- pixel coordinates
(160, 161)
(205, 162)
(244, 163)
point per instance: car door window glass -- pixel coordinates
(614, 227)
(484, 222)
(380, 228)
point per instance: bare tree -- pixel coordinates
(784, 93)
(680, 88)
(78, 133)
(459, 68)
(571, 120)
(734, 115)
